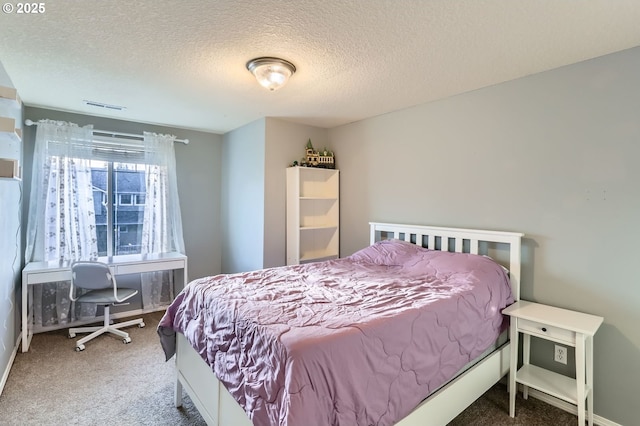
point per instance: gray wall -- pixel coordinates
(243, 198)
(553, 155)
(286, 143)
(255, 157)
(10, 243)
(199, 180)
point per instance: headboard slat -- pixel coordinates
(431, 242)
(459, 245)
(473, 246)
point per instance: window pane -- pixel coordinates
(128, 180)
(125, 199)
(126, 210)
(99, 182)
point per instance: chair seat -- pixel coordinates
(105, 296)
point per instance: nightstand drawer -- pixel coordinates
(547, 331)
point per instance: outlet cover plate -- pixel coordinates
(560, 354)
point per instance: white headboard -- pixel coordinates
(456, 239)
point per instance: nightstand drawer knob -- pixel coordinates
(544, 329)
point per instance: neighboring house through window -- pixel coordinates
(124, 183)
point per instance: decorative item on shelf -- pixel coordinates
(314, 158)
(9, 94)
(9, 169)
(8, 129)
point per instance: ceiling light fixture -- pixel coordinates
(272, 73)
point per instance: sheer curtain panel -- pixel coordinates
(162, 226)
(61, 220)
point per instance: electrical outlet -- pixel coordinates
(560, 354)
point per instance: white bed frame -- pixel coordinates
(218, 408)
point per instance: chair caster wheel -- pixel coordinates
(126, 340)
(141, 325)
(79, 348)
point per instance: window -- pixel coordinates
(75, 165)
(125, 199)
(124, 184)
(139, 199)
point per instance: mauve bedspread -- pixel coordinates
(354, 341)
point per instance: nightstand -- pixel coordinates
(559, 325)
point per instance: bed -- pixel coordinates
(393, 334)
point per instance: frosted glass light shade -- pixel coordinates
(271, 73)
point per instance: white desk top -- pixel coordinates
(110, 260)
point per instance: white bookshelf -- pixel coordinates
(313, 214)
(10, 134)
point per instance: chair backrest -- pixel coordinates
(91, 275)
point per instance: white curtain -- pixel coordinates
(162, 226)
(61, 222)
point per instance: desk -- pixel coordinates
(45, 272)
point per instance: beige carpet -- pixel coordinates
(492, 409)
(111, 383)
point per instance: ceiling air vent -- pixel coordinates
(103, 105)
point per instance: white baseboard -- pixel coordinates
(570, 408)
(5, 375)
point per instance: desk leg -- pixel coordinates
(526, 351)
(24, 314)
(589, 360)
(580, 376)
(513, 390)
(179, 280)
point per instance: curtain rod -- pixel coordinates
(112, 134)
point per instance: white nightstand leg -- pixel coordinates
(513, 390)
(589, 356)
(580, 376)
(526, 351)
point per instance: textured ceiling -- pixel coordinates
(182, 63)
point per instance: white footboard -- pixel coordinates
(218, 408)
(453, 398)
(211, 398)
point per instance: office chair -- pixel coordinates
(100, 288)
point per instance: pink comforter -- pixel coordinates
(355, 341)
